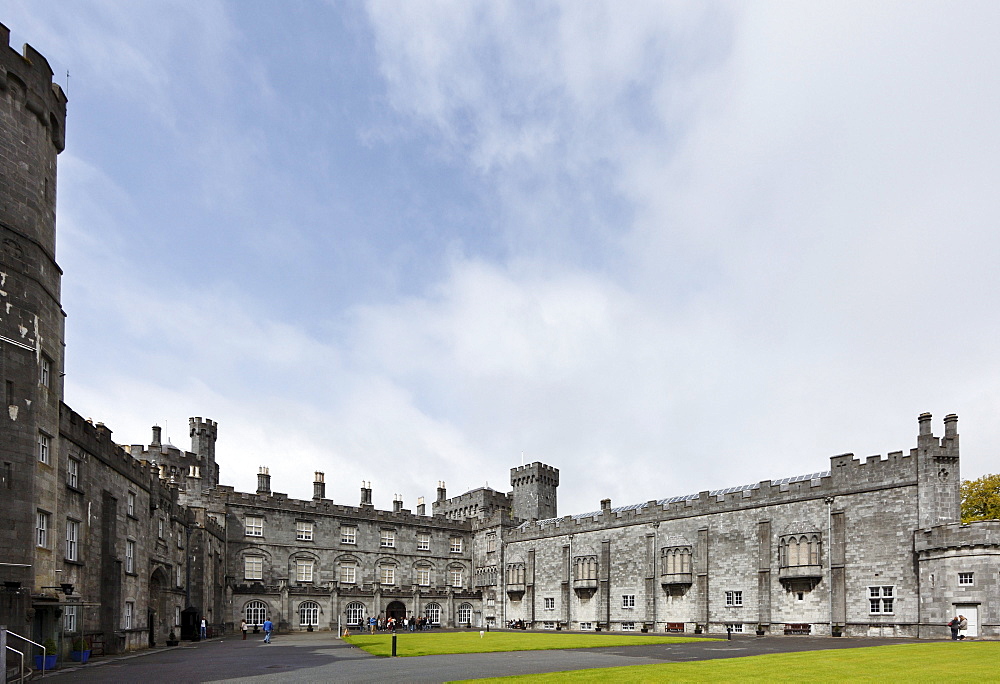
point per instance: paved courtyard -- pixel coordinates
(321, 657)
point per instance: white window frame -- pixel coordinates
(734, 598)
(72, 540)
(73, 473)
(44, 448)
(69, 619)
(549, 603)
(432, 611)
(42, 520)
(464, 614)
(254, 525)
(423, 541)
(549, 624)
(881, 599)
(584, 626)
(736, 627)
(355, 613)
(255, 613)
(387, 539)
(128, 615)
(349, 573)
(455, 545)
(308, 614)
(348, 534)
(253, 567)
(423, 577)
(628, 626)
(45, 371)
(387, 574)
(966, 579)
(455, 578)
(304, 570)
(303, 530)
(130, 556)
(130, 504)
(628, 601)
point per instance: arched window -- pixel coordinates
(798, 550)
(355, 613)
(432, 611)
(585, 568)
(515, 573)
(255, 613)
(308, 613)
(465, 614)
(675, 560)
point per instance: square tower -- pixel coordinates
(534, 495)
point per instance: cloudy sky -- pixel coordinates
(664, 247)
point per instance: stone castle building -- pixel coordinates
(125, 543)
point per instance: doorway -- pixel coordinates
(396, 609)
(971, 613)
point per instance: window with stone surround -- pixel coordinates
(304, 570)
(734, 598)
(456, 545)
(423, 576)
(349, 573)
(69, 618)
(129, 613)
(455, 577)
(387, 574)
(675, 560)
(73, 473)
(799, 549)
(254, 525)
(42, 529)
(966, 579)
(348, 534)
(72, 540)
(515, 573)
(303, 530)
(628, 600)
(44, 448)
(130, 556)
(308, 613)
(253, 567)
(491, 543)
(465, 614)
(585, 568)
(550, 603)
(423, 541)
(387, 539)
(881, 599)
(45, 371)
(628, 626)
(130, 504)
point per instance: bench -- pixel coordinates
(798, 628)
(675, 627)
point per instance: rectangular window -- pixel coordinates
(735, 628)
(548, 625)
(253, 567)
(628, 600)
(69, 618)
(159, 528)
(550, 603)
(491, 543)
(348, 574)
(254, 525)
(129, 556)
(303, 571)
(73, 473)
(387, 539)
(180, 576)
(456, 545)
(130, 505)
(586, 625)
(303, 531)
(734, 598)
(880, 599)
(43, 448)
(387, 575)
(72, 540)
(348, 534)
(965, 579)
(424, 577)
(628, 626)
(455, 577)
(129, 611)
(42, 530)
(423, 541)
(45, 372)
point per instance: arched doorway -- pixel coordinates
(396, 609)
(157, 611)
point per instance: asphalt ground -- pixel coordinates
(321, 657)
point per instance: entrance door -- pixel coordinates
(397, 610)
(971, 613)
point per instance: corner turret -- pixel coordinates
(938, 479)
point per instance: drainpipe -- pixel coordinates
(656, 549)
(570, 594)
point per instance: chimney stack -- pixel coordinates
(397, 503)
(442, 493)
(366, 493)
(319, 486)
(156, 436)
(264, 481)
(605, 505)
(421, 508)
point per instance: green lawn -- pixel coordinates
(429, 643)
(934, 662)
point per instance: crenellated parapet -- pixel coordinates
(984, 534)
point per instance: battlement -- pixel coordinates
(477, 503)
(982, 533)
(206, 426)
(524, 473)
(28, 75)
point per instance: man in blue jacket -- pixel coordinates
(268, 626)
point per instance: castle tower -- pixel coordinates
(938, 479)
(534, 495)
(32, 124)
(203, 436)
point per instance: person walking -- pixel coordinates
(268, 626)
(204, 628)
(243, 628)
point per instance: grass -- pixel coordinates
(935, 662)
(425, 643)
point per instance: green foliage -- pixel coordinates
(50, 646)
(80, 644)
(935, 662)
(423, 643)
(981, 499)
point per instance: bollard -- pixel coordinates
(729, 634)
(393, 644)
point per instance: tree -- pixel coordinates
(981, 499)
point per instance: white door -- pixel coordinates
(971, 613)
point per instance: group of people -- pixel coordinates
(392, 624)
(516, 624)
(958, 624)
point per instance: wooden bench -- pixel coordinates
(798, 628)
(675, 627)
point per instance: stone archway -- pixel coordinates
(396, 609)
(158, 614)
